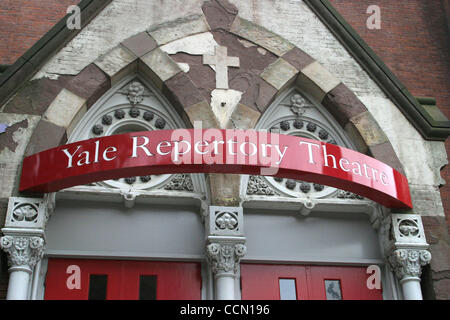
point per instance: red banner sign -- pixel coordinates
(214, 151)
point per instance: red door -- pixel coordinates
(122, 280)
(293, 282)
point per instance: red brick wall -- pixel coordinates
(23, 22)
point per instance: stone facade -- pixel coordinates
(280, 44)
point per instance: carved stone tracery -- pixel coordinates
(181, 182)
(258, 186)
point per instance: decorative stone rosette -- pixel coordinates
(409, 262)
(23, 251)
(224, 258)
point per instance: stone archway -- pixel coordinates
(269, 65)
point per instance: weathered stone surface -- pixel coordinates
(244, 79)
(66, 110)
(295, 21)
(426, 200)
(91, 83)
(258, 94)
(386, 153)
(369, 129)
(441, 288)
(316, 80)
(197, 44)
(15, 138)
(225, 189)
(436, 229)
(3, 209)
(437, 235)
(356, 137)
(250, 58)
(201, 75)
(253, 60)
(220, 14)
(46, 136)
(432, 153)
(140, 44)
(182, 27)
(117, 63)
(12, 147)
(7, 138)
(279, 74)
(159, 66)
(202, 112)
(343, 104)
(261, 36)
(35, 97)
(181, 91)
(9, 171)
(223, 104)
(298, 58)
(441, 256)
(119, 21)
(243, 118)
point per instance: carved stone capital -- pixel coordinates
(224, 257)
(408, 263)
(23, 251)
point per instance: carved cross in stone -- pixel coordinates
(222, 62)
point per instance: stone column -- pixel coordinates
(24, 241)
(225, 247)
(409, 253)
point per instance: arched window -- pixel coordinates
(134, 105)
(295, 113)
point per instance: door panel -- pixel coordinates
(174, 280)
(352, 281)
(260, 281)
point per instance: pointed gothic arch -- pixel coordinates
(274, 66)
